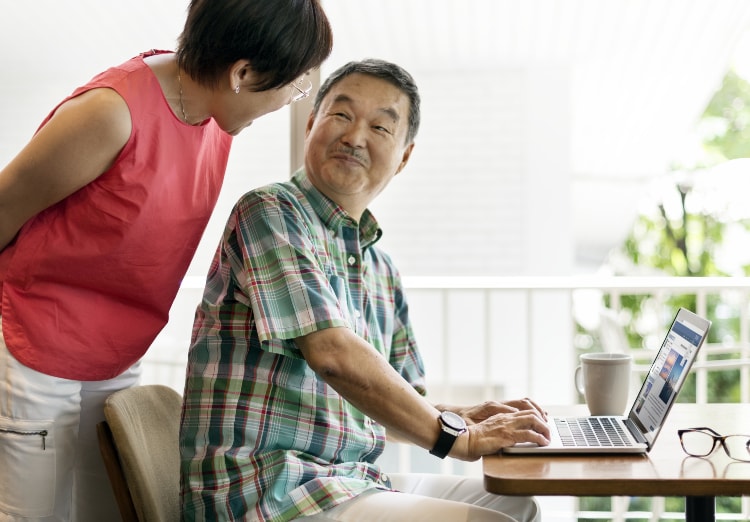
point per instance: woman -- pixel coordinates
(100, 215)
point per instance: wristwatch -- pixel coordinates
(451, 426)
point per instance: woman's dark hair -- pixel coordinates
(282, 39)
(387, 71)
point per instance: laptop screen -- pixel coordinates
(668, 372)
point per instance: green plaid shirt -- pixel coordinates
(262, 435)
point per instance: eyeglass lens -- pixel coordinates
(701, 444)
(301, 88)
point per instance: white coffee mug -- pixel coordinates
(604, 380)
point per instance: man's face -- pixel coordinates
(356, 143)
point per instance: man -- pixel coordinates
(303, 355)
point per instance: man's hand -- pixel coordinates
(506, 429)
(496, 425)
(481, 412)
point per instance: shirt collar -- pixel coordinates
(333, 216)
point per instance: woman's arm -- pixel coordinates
(79, 143)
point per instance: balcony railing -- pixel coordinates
(512, 337)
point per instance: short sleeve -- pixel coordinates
(282, 264)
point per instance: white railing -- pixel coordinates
(510, 337)
(538, 310)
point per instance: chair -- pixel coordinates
(139, 442)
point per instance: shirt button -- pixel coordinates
(352, 260)
(357, 314)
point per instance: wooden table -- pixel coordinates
(666, 471)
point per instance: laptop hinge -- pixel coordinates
(635, 432)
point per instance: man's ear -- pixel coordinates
(310, 122)
(405, 157)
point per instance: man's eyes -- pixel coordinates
(347, 117)
(380, 128)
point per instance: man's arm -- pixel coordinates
(363, 377)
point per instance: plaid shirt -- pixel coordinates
(262, 435)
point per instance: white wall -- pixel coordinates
(487, 191)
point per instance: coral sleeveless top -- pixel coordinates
(88, 283)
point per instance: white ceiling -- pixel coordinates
(641, 70)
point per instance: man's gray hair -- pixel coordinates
(384, 70)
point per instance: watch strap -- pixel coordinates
(444, 443)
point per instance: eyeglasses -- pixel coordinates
(301, 88)
(701, 442)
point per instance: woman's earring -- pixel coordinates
(237, 89)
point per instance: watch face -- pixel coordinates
(453, 420)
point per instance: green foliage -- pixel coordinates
(681, 242)
(726, 120)
(644, 505)
(680, 246)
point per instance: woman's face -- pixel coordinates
(236, 106)
(237, 110)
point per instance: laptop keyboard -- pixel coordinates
(592, 431)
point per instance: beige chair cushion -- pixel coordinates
(145, 423)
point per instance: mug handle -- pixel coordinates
(578, 380)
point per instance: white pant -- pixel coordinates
(432, 498)
(50, 465)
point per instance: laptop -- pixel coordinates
(636, 432)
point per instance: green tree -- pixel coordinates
(684, 243)
(681, 238)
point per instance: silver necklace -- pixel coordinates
(182, 104)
